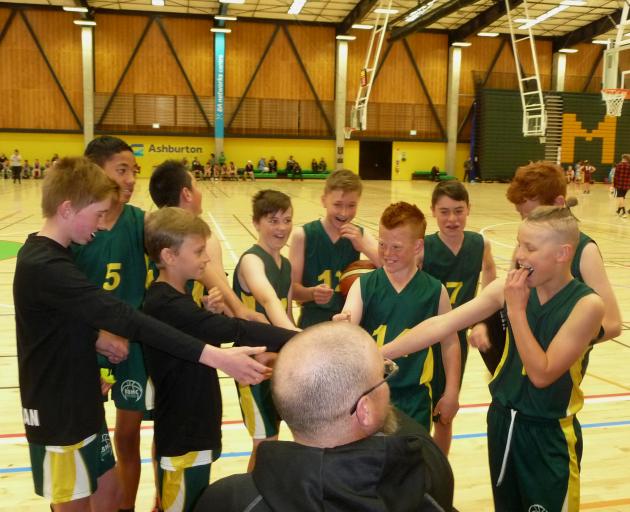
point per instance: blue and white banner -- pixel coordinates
(219, 85)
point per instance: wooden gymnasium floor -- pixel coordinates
(605, 417)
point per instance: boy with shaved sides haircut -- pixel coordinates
(188, 396)
(394, 298)
(59, 313)
(457, 258)
(534, 437)
(172, 185)
(320, 250)
(262, 280)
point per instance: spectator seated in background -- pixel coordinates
(296, 171)
(314, 165)
(37, 169)
(330, 387)
(248, 172)
(27, 170)
(273, 164)
(262, 165)
(197, 168)
(435, 173)
(231, 171)
(290, 164)
(322, 165)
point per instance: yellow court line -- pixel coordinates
(604, 504)
(608, 381)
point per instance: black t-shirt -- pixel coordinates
(187, 395)
(58, 313)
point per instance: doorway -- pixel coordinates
(375, 160)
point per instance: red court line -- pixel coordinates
(239, 422)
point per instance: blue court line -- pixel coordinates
(474, 435)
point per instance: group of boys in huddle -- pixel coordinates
(81, 281)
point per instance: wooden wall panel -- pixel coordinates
(476, 61)
(30, 97)
(154, 70)
(114, 40)
(4, 15)
(280, 75)
(317, 46)
(397, 82)
(579, 66)
(357, 50)
(61, 40)
(431, 53)
(194, 44)
(243, 51)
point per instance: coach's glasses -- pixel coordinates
(390, 368)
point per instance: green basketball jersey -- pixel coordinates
(278, 277)
(459, 273)
(323, 263)
(575, 264)
(387, 313)
(510, 385)
(115, 259)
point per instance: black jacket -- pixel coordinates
(376, 474)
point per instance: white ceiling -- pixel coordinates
(334, 11)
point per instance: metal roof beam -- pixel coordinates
(431, 17)
(357, 14)
(586, 33)
(482, 20)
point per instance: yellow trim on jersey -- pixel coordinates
(249, 301)
(572, 499)
(66, 477)
(576, 402)
(504, 356)
(427, 368)
(197, 292)
(188, 460)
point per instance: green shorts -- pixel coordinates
(133, 390)
(68, 473)
(182, 479)
(414, 402)
(438, 382)
(258, 411)
(542, 461)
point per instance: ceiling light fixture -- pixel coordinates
(85, 23)
(600, 41)
(232, 1)
(419, 11)
(461, 44)
(380, 10)
(218, 30)
(568, 50)
(157, 3)
(346, 38)
(361, 26)
(75, 9)
(296, 7)
(488, 34)
(156, 125)
(223, 17)
(565, 4)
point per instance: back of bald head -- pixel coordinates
(319, 375)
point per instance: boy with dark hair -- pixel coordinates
(394, 298)
(188, 396)
(320, 250)
(457, 258)
(534, 437)
(116, 262)
(58, 313)
(262, 280)
(172, 185)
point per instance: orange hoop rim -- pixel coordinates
(617, 91)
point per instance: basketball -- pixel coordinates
(352, 272)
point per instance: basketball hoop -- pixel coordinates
(348, 131)
(614, 99)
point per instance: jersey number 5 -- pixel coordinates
(112, 276)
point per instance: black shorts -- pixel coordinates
(621, 192)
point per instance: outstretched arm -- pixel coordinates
(448, 404)
(353, 308)
(362, 241)
(439, 327)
